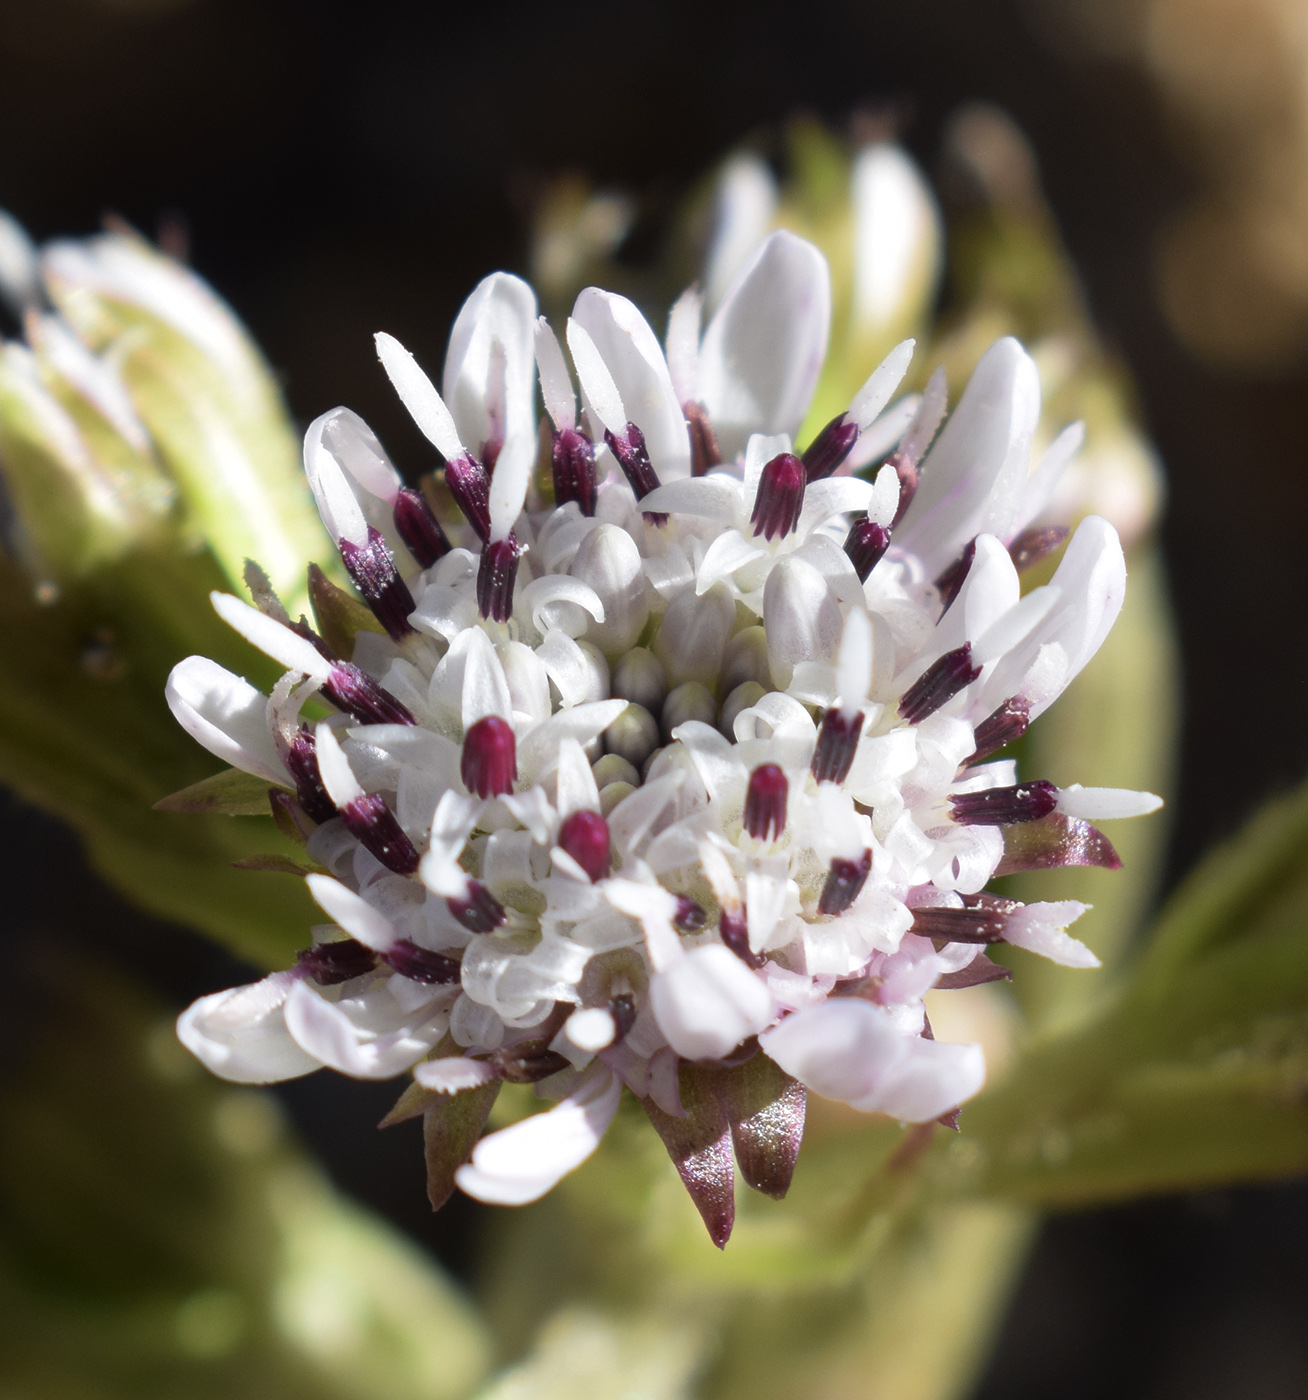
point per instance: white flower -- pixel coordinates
(687, 766)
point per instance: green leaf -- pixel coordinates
(450, 1129)
(230, 793)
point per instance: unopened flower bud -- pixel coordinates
(633, 736)
(639, 676)
(802, 619)
(693, 633)
(690, 701)
(741, 698)
(613, 768)
(609, 561)
(746, 659)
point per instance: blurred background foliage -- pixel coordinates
(160, 1234)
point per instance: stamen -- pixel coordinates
(585, 837)
(469, 484)
(490, 758)
(734, 929)
(765, 802)
(955, 576)
(301, 761)
(961, 925)
(633, 457)
(1008, 722)
(704, 450)
(1031, 546)
(623, 1010)
(1004, 806)
(865, 544)
(690, 916)
(329, 964)
(837, 743)
(913, 445)
(478, 911)
(780, 497)
(939, 684)
(420, 964)
(496, 575)
(376, 828)
(417, 526)
(373, 570)
(573, 460)
(844, 883)
(355, 692)
(830, 448)
(528, 1062)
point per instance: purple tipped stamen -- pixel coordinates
(844, 883)
(573, 460)
(496, 575)
(490, 757)
(765, 802)
(1004, 806)
(865, 544)
(420, 964)
(939, 684)
(469, 484)
(633, 457)
(355, 692)
(478, 911)
(301, 761)
(734, 930)
(949, 583)
(984, 921)
(330, 964)
(1009, 722)
(417, 526)
(837, 743)
(780, 497)
(704, 450)
(830, 448)
(690, 915)
(585, 837)
(378, 831)
(372, 567)
(1031, 546)
(528, 1062)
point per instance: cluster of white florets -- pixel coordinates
(677, 748)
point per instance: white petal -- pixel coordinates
(366, 1037)
(854, 662)
(683, 344)
(609, 561)
(896, 235)
(1104, 804)
(555, 384)
(352, 912)
(603, 401)
(881, 383)
(334, 768)
(484, 690)
(272, 637)
(226, 714)
(418, 395)
(839, 1048)
(708, 1002)
(452, 1074)
(934, 1077)
(576, 781)
(746, 202)
(1041, 928)
(241, 1034)
(801, 617)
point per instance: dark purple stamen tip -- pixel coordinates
(623, 1010)
(355, 692)
(496, 575)
(844, 883)
(780, 497)
(765, 802)
(734, 930)
(585, 837)
(1004, 806)
(478, 911)
(329, 964)
(633, 457)
(469, 484)
(1009, 722)
(490, 757)
(302, 763)
(573, 460)
(830, 448)
(528, 1062)
(939, 684)
(1031, 546)
(955, 576)
(417, 526)
(704, 450)
(372, 567)
(981, 925)
(378, 831)
(865, 544)
(420, 964)
(490, 452)
(690, 916)
(837, 742)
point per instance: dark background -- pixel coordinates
(343, 168)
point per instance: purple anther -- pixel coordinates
(490, 757)
(417, 526)
(955, 576)
(301, 762)
(573, 460)
(633, 457)
(704, 449)
(528, 1062)
(765, 802)
(830, 448)
(490, 452)
(1004, 806)
(939, 684)
(329, 964)
(496, 575)
(690, 916)
(469, 484)
(907, 457)
(355, 692)
(420, 964)
(982, 925)
(837, 742)
(844, 883)
(377, 830)
(623, 1010)
(1031, 546)
(585, 837)
(372, 567)
(734, 930)
(478, 911)
(780, 497)
(1009, 722)
(865, 544)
